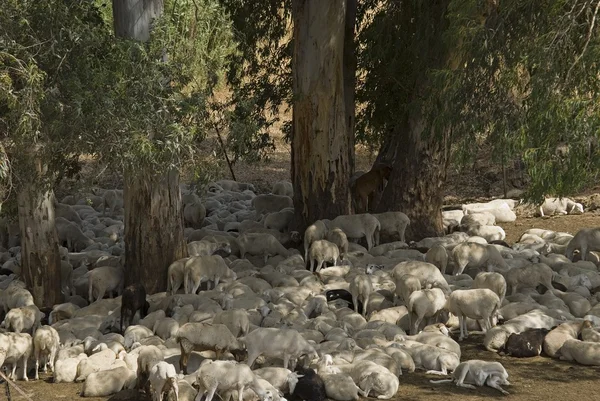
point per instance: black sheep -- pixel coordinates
(310, 386)
(133, 299)
(332, 295)
(526, 344)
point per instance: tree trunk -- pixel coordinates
(133, 18)
(350, 77)
(153, 210)
(40, 258)
(417, 181)
(153, 229)
(320, 147)
(419, 154)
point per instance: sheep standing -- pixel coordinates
(361, 288)
(277, 343)
(15, 347)
(339, 238)
(425, 304)
(480, 304)
(437, 255)
(46, 342)
(175, 275)
(358, 226)
(406, 285)
(493, 281)
(477, 256)
(586, 240)
(204, 337)
(314, 232)
(132, 301)
(393, 224)
(202, 268)
(261, 244)
(163, 379)
(25, 318)
(223, 376)
(103, 279)
(322, 251)
(529, 276)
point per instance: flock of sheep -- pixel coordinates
(323, 317)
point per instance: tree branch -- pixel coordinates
(587, 41)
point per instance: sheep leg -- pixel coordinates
(25, 358)
(369, 241)
(37, 366)
(286, 360)
(583, 251)
(241, 392)
(415, 324)
(211, 393)
(442, 372)
(251, 359)
(465, 325)
(101, 293)
(355, 302)
(365, 303)
(217, 281)
(461, 323)
(319, 266)
(493, 384)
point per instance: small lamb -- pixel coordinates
(322, 251)
(46, 342)
(477, 373)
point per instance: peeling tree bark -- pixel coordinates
(153, 210)
(321, 153)
(153, 229)
(40, 258)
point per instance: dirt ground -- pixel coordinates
(532, 379)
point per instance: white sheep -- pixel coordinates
(103, 279)
(434, 360)
(269, 203)
(437, 255)
(475, 255)
(489, 233)
(236, 320)
(493, 281)
(393, 223)
(166, 328)
(148, 356)
(226, 375)
(283, 188)
(15, 348)
(370, 376)
(203, 268)
(583, 352)
(361, 288)
(338, 386)
(25, 318)
(480, 304)
(588, 333)
(135, 333)
(279, 221)
(429, 275)
(586, 240)
(15, 296)
(477, 373)
(496, 338)
(554, 340)
(406, 285)
(322, 251)
(314, 232)
(175, 275)
(425, 304)
(163, 379)
(276, 376)
(203, 337)
(46, 342)
(205, 247)
(358, 226)
(277, 343)
(103, 360)
(108, 382)
(478, 218)
(560, 206)
(261, 244)
(65, 370)
(529, 276)
(338, 237)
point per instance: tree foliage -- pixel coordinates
(70, 87)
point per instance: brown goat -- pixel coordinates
(366, 186)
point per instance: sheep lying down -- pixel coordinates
(477, 373)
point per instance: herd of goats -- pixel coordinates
(257, 312)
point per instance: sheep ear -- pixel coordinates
(299, 376)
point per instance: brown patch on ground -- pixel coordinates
(569, 224)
